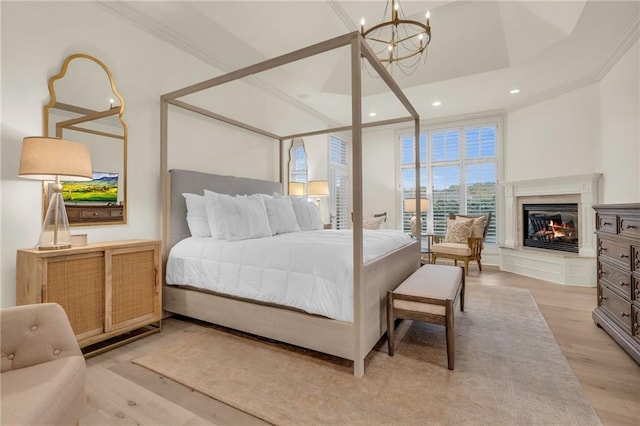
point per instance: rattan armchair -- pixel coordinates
(470, 251)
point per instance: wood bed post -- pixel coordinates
(418, 195)
(280, 165)
(356, 146)
(165, 199)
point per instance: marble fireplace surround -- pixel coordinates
(555, 266)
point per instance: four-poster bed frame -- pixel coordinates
(371, 281)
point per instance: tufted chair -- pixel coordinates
(42, 371)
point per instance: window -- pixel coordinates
(298, 162)
(458, 170)
(408, 170)
(339, 172)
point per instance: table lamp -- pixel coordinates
(55, 159)
(410, 206)
(296, 189)
(318, 188)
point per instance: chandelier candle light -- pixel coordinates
(398, 39)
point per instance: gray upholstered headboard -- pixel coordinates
(196, 182)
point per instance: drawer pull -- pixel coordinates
(95, 213)
(622, 283)
(624, 314)
(604, 272)
(603, 298)
(622, 255)
(606, 223)
(631, 226)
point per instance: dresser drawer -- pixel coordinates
(607, 223)
(629, 226)
(617, 252)
(635, 319)
(614, 277)
(635, 259)
(116, 213)
(97, 213)
(616, 308)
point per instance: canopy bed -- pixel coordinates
(350, 336)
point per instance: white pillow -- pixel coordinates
(244, 217)
(372, 222)
(307, 215)
(214, 214)
(281, 216)
(197, 215)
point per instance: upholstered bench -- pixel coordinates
(428, 295)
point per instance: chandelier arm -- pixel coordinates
(428, 40)
(395, 24)
(399, 58)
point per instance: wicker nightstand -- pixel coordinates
(107, 290)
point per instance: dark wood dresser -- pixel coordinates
(618, 310)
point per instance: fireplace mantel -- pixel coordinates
(557, 267)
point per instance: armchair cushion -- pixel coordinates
(47, 393)
(456, 249)
(43, 369)
(477, 224)
(458, 231)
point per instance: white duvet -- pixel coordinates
(311, 270)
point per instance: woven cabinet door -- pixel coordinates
(132, 287)
(77, 283)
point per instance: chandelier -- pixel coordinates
(399, 39)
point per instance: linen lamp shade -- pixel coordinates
(50, 159)
(296, 188)
(45, 158)
(318, 188)
(410, 205)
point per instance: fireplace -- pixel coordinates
(551, 226)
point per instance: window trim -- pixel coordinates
(444, 125)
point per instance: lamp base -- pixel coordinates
(58, 246)
(55, 234)
(413, 225)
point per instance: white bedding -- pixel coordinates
(311, 270)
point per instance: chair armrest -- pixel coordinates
(475, 244)
(33, 334)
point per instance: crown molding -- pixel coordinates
(629, 39)
(553, 93)
(155, 28)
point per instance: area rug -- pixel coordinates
(508, 370)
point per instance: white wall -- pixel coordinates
(36, 38)
(618, 149)
(553, 138)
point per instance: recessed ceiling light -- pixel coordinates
(514, 91)
(372, 114)
(436, 103)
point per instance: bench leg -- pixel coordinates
(462, 292)
(449, 314)
(390, 322)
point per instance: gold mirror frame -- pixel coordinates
(90, 214)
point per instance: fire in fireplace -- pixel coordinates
(551, 226)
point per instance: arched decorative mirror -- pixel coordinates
(85, 107)
(297, 168)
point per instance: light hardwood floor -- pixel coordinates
(121, 393)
